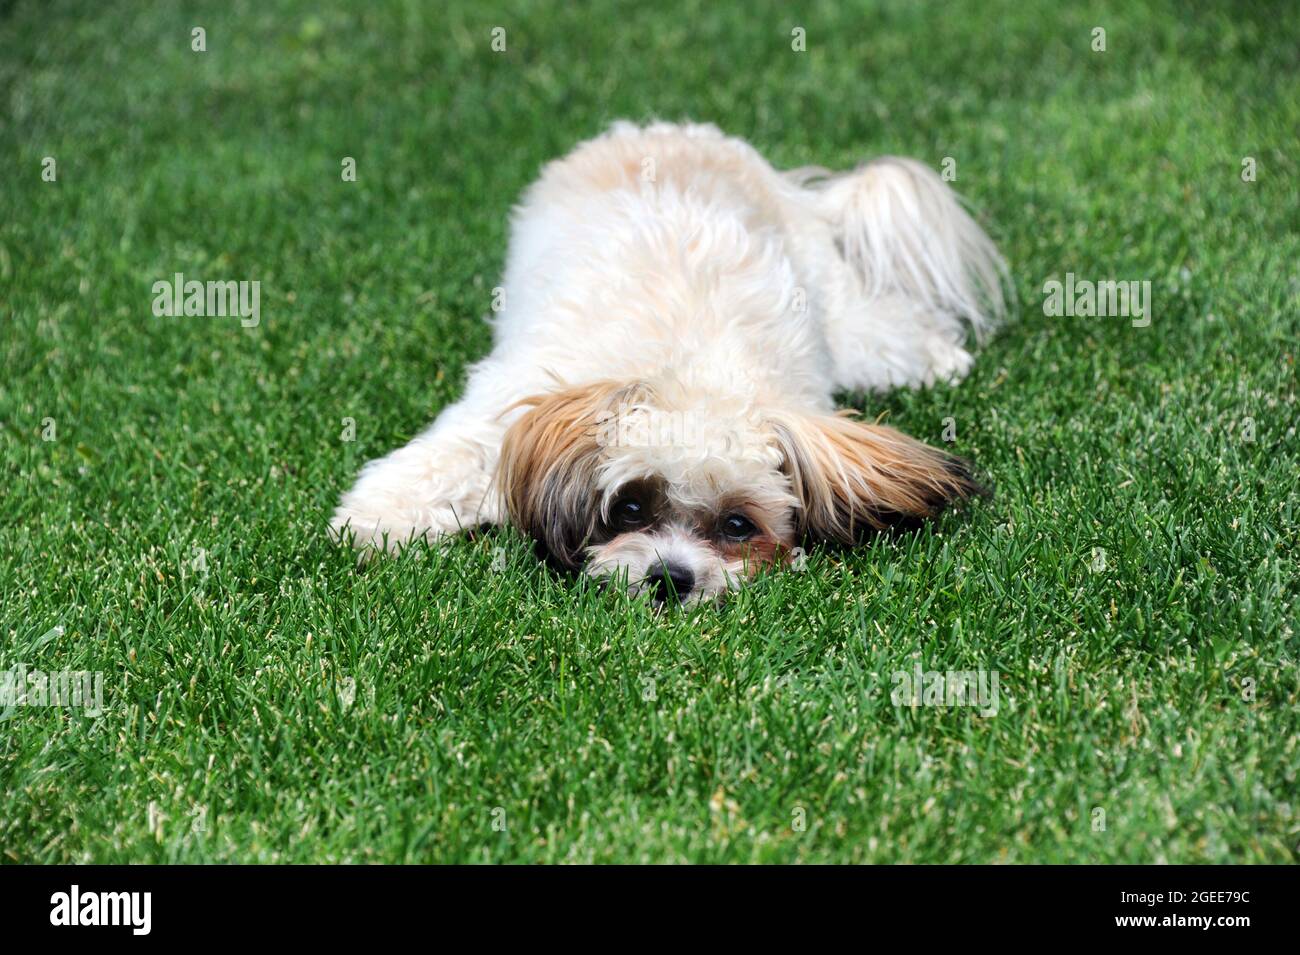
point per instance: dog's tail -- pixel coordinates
(904, 231)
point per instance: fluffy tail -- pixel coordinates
(905, 232)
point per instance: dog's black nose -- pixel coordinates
(667, 580)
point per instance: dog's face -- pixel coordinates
(686, 495)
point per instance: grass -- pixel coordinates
(1133, 579)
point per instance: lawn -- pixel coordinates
(166, 482)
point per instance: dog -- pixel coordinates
(676, 316)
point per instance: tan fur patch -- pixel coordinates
(756, 554)
(852, 476)
(546, 472)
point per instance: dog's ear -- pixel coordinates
(549, 459)
(850, 477)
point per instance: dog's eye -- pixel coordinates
(738, 527)
(629, 513)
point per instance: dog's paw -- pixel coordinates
(373, 534)
(428, 489)
(947, 363)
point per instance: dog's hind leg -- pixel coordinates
(905, 273)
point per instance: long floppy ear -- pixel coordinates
(549, 458)
(851, 476)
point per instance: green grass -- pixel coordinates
(484, 694)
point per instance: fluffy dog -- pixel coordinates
(657, 407)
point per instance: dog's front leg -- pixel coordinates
(440, 483)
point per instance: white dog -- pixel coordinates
(677, 316)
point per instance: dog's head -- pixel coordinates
(685, 495)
